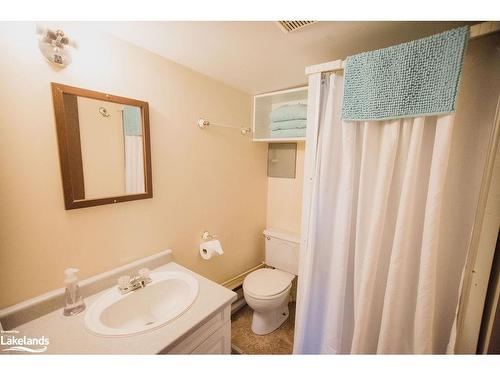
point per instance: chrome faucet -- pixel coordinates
(127, 284)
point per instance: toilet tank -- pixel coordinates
(282, 250)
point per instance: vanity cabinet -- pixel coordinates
(212, 337)
(218, 343)
(204, 328)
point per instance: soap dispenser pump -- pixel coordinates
(72, 296)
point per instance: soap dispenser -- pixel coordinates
(72, 296)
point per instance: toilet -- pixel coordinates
(267, 290)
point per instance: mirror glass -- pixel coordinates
(103, 147)
(112, 148)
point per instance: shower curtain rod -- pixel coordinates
(476, 31)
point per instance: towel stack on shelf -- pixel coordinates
(289, 121)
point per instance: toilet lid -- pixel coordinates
(267, 282)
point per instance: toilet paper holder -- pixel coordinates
(206, 236)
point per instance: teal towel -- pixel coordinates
(289, 112)
(288, 133)
(290, 124)
(132, 121)
(411, 79)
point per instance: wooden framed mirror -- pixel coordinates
(104, 147)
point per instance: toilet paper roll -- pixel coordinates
(210, 249)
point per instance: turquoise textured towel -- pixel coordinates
(411, 79)
(288, 133)
(290, 124)
(132, 121)
(289, 112)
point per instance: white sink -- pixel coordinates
(168, 295)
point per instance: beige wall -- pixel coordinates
(203, 180)
(284, 197)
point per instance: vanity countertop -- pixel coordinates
(68, 335)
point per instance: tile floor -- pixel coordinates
(244, 341)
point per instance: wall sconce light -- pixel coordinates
(54, 46)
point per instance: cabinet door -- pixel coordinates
(218, 343)
(203, 333)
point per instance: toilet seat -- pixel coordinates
(267, 283)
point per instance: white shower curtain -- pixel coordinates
(368, 266)
(134, 165)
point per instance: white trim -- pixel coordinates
(313, 118)
(237, 281)
(326, 67)
(481, 250)
(279, 140)
(301, 88)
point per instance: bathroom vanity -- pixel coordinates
(204, 328)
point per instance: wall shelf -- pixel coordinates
(263, 104)
(280, 140)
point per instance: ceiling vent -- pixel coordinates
(289, 26)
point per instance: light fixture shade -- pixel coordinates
(55, 55)
(54, 46)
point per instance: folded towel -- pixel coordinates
(132, 121)
(289, 124)
(288, 133)
(289, 112)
